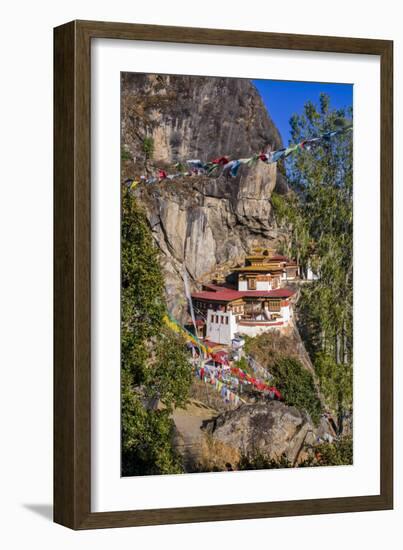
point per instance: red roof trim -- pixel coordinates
(217, 296)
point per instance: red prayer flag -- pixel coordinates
(221, 160)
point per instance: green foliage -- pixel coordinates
(279, 354)
(297, 386)
(336, 382)
(143, 304)
(171, 377)
(259, 461)
(146, 437)
(318, 216)
(243, 364)
(338, 453)
(155, 369)
(269, 347)
(125, 154)
(148, 147)
(327, 332)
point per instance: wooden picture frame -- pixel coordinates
(72, 269)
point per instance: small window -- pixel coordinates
(226, 320)
(252, 284)
(274, 305)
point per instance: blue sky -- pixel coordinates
(283, 98)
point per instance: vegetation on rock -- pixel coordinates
(148, 147)
(279, 354)
(338, 453)
(125, 155)
(297, 386)
(155, 369)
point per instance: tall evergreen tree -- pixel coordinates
(318, 214)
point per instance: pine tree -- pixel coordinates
(318, 216)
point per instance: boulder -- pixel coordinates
(272, 429)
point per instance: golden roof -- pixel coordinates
(256, 257)
(262, 267)
(262, 250)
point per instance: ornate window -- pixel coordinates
(252, 284)
(274, 305)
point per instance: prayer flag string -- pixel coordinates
(224, 378)
(230, 168)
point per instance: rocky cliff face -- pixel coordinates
(200, 224)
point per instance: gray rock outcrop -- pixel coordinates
(271, 429)
(201, 224)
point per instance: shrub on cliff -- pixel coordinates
(297, 386)
(338, 453)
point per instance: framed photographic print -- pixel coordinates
(223, 275)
